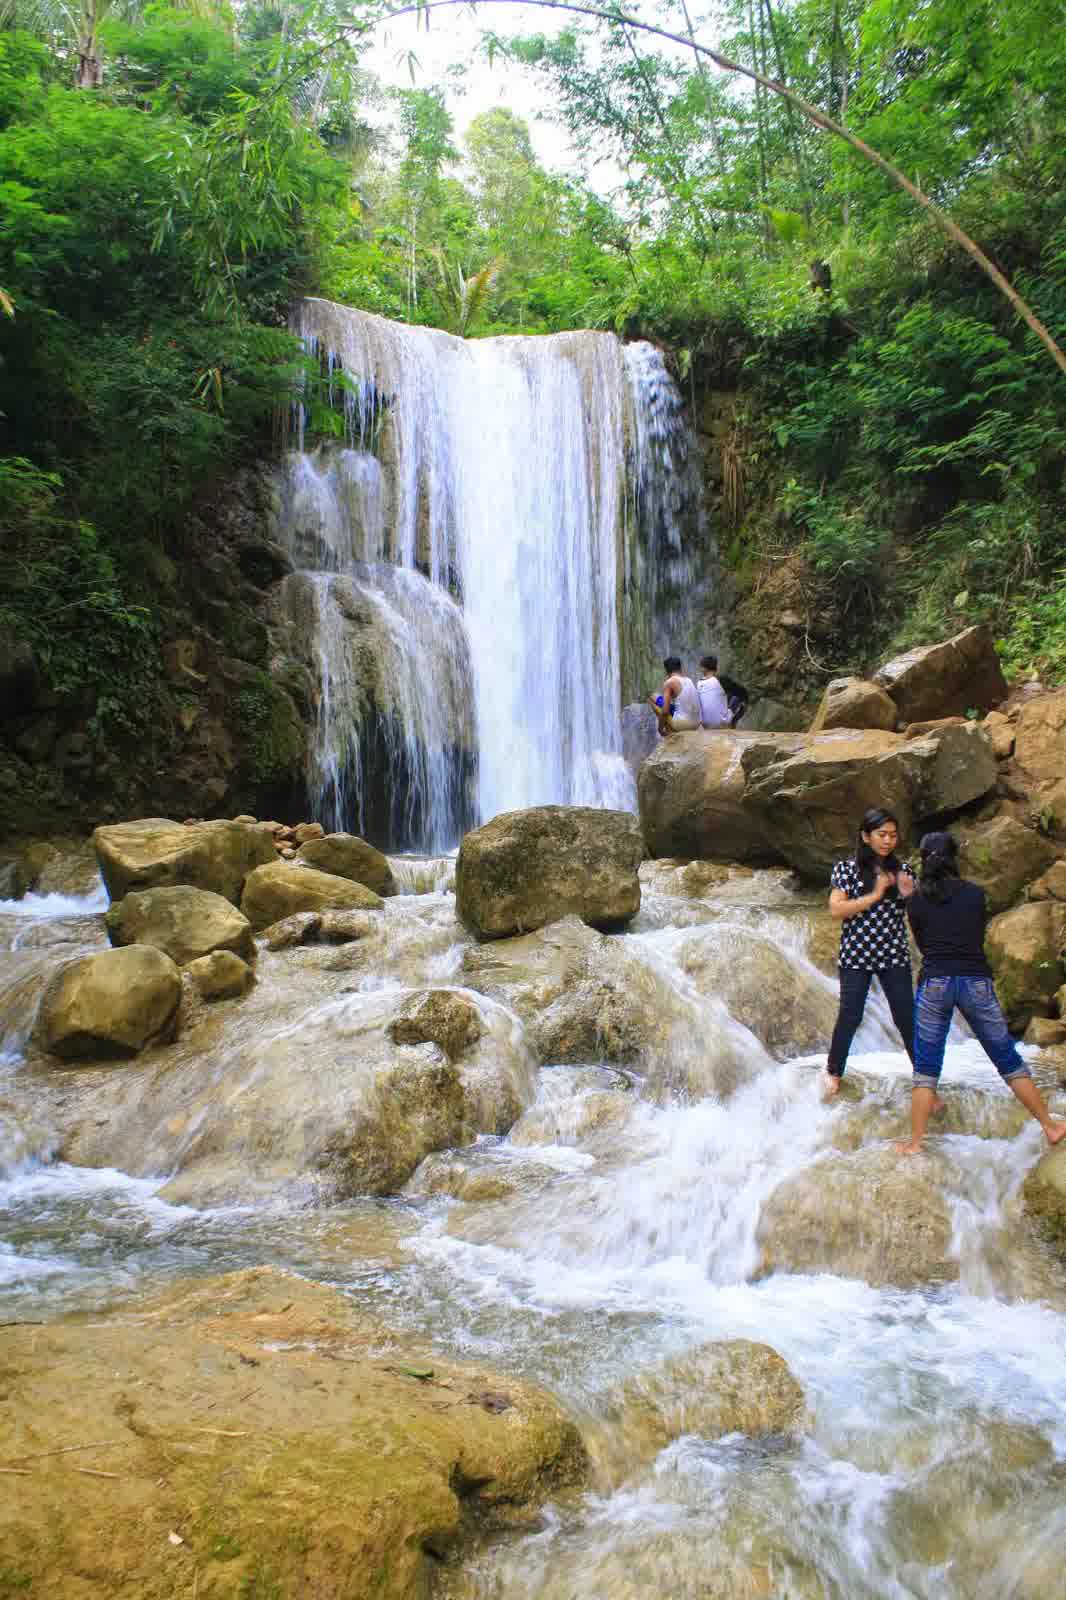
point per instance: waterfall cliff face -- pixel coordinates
(471, 556)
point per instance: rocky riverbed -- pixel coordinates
(529, 1267)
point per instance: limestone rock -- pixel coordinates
(692, 790)
(640, 734)
(999, 730)
(278, 890)
(1026, 947)
(300, 928)
(341, 927)
(367, 1483)
(726, 1386)
(444, 1017)
(304, 832)
(854, 703)
(947, 679)
(109, 1004)
(221, 975)
(1052, 885)
(1044, 1194)
(156, 853)
(864, 1215)
(314, 1104)
(1045, 1031)
(741, 968)
(809, 800)
(528, 868)
(1040, 752)
(345, 855)
(1002, 856)
(183, 922)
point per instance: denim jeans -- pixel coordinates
(854, 987)
(976, 999)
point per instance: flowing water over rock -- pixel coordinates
(505, 519)
(644, 1228)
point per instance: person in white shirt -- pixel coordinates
(714, 706)
(677, 709)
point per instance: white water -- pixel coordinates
(516, 474)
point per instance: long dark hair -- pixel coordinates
(940, 863)
(865, 859)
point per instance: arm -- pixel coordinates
(671, 690)
(841, 908)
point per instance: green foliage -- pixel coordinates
(270, 739)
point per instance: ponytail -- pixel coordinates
(940, 863)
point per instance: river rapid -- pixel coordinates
(628, 1218)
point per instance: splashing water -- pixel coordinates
(536, 481)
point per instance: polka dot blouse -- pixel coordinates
(875, 938)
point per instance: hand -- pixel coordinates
(885, 881)
(905, 885)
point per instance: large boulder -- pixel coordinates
(854, 703)
(726, 1386)
(157, 853)
(280, 890)
(1040, 753)
(692, 790)
(947, 679)
(345, 855)
(1027, 947)
(1044, 1195)
(528, 868)
(184, 923)
(300, 1104)
(809, 800)
(870, 1214)
(112, 1003)
(1003, 856)
(258, 1435)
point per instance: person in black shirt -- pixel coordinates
(947, 915)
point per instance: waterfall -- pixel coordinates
(494, 504)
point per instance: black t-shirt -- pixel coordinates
(950, 933)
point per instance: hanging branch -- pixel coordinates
(772, 86)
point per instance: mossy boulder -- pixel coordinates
(1044, 1195)
(525, 869)
(854, 703)
(868, 1214)
(1002, 855)
(345, 855)
(1026, 948)
(154, 852)
(281, 890)
(259, 1436)
(109, 1004)
(726, 1386)
(184, 923)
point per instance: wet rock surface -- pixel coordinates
(184, 923)
(274, 892)
(111, 1004)
(257, 1435)
(345, 855)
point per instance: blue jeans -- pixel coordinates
(976, 999)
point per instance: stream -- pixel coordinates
(623, 1221)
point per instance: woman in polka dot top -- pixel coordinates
(873, 938)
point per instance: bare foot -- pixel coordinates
(830, 1085)
(1055, 1132)
(908, 1149)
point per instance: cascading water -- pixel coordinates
(533, 483)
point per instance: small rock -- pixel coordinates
(1045, 1031)
(300, 928)
(221, 975)
(441, 1017)
(1052, 886)
(245, 818)
(999, 730)
(308, 830)
(286, 852)
(339, 927)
